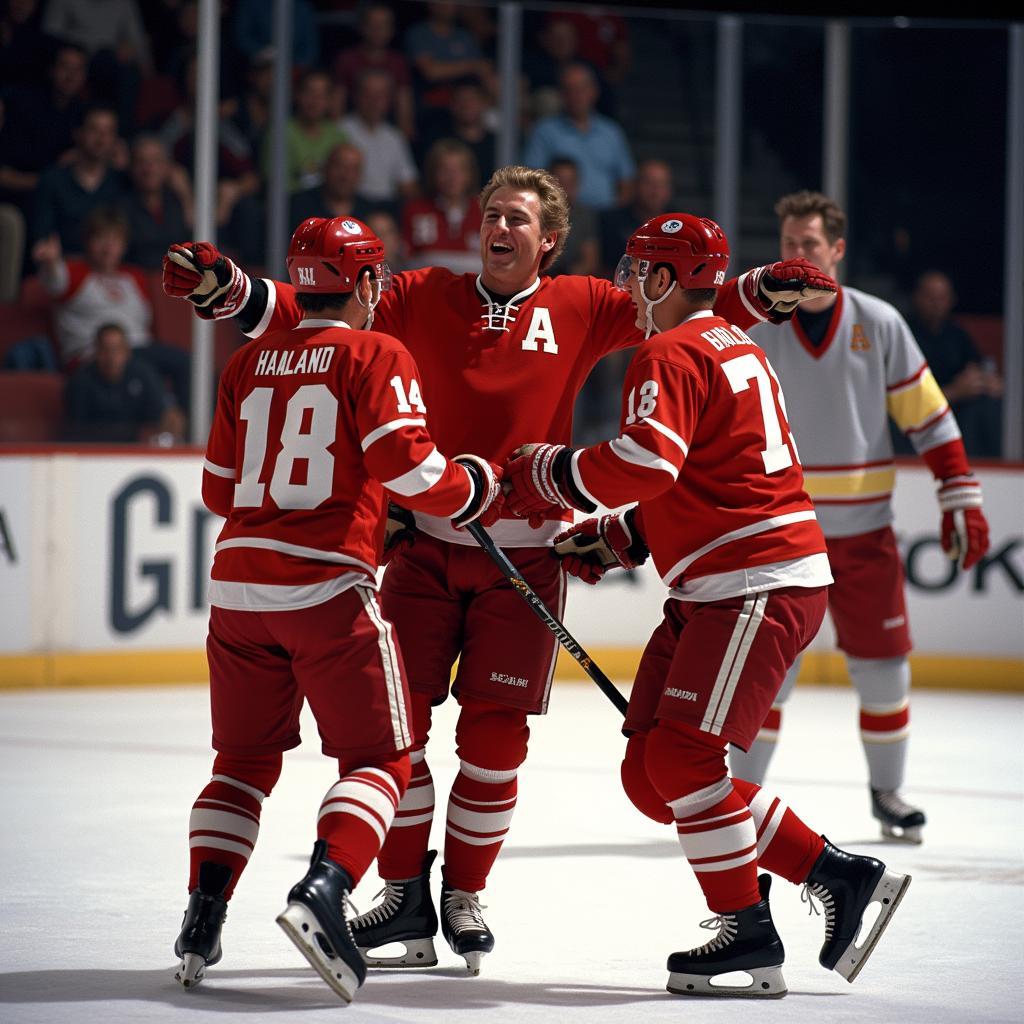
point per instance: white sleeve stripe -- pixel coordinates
(669, 433)
(387, 428)
(225, 471)
(629, 451)
(753, 310)
(420, 478)
(261, 327)
(577, 477)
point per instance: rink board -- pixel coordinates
(104, 559)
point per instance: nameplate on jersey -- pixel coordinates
(721, 338)
(282, 362)
(540, 330)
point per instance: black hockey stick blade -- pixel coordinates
(540, 609)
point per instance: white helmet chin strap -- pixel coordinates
(651, 327)
(372, 304)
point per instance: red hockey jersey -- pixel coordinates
(312, 425)
(706, 448)
(498, 376)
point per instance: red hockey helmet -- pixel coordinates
(327, 255)
(695, 247)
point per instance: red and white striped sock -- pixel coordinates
(402, 854)
(223, 827)
(716, 832)
(785, 845)
(355, 816)
(480, 809)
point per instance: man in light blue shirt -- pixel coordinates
(595, 142)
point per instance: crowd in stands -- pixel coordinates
(394, 122)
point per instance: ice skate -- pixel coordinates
(198, 944)
(405, 915)
(746, 941)
(847, 885)
(463, 926)
(315, 922)
(899, 820)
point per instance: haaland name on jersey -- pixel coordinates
(311, 360)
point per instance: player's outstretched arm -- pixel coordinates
(218, 288)
(772, 292)
(589, 549)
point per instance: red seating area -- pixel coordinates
(31, 404)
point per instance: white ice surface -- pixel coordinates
(587, 899)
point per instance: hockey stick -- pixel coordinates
(564, 637)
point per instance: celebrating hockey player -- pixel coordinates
(706, 448)
(503, 355)
(311, 429)
(849, 362)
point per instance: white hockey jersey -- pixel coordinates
(839, 397)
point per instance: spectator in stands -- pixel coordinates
(555, 48)
(252, 30)
(310, 134)
(336, 197)
(389, 173)
(969, 380)
(443, 53)
(595, 142)
(158, 207)
(69, 191)
(377, 31)
(39, 125)
(24, 47)
(603, 42)
(443, 228)
(383, 224)
(652, 196)
(581, 253)
(100, 289)
(114, 36)
(467, 121)
(237, 181)
(117, 397)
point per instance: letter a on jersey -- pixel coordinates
(540, 328)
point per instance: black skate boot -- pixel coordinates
(463, 925)
(198, 945)
(315, 921)
(405, 915)
(747, 941)
(899, 820)
(847, 885)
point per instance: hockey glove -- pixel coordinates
(594, 546)
(776, 289)
(399, 532)
(964, 529)
(197, 271)
(487, 499)
(538, 481)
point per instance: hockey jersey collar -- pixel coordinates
(816, 352)
(498, 316)
(315, 324)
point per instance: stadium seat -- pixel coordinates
(33, 407)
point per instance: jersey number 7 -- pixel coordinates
(740, 371)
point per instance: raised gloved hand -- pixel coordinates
(592, 547)
(488, 499)
(538, 480)
(776, 289)
(199, 272)
(964, 529)
(399, 532)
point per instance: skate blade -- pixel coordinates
(904, 835)
(302, 928)
(889, 892)
(192, 970)
(418, 953)
(763, 983)
(473, 961)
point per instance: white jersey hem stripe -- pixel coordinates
(420, 478)
(387, 428)
(629, 451)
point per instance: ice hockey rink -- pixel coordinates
(587, 899)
